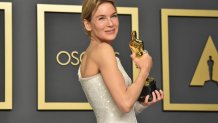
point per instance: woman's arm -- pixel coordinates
(124, 96)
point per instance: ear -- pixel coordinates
(87, 25)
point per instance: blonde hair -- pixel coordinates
(89, 7)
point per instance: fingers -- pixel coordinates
(146, 98)
(162, 94)
(157, 96)
(134, 58)
(146, 103)
(154, 96)
(133, 55)
(145, 51)
(143, 62)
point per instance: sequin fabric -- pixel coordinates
(101, 101)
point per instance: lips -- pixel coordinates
(110, 31)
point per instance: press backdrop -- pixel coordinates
(64, 32)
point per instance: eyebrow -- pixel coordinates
(104, 15)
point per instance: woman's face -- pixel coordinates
(104, 24)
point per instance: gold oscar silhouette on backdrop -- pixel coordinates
(137, 46)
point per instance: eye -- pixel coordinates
(114, 15)
(101, 18)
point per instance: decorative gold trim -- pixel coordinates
(165, 14)
(41, 9)
(7, 7)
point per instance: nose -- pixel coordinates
(110, 22)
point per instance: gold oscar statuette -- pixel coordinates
(137, 46)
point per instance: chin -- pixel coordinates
(111, 39)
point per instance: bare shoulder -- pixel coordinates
(105, 47)
(104, 53)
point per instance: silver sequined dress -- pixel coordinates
(101, 101)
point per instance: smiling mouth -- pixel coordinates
(110, 31)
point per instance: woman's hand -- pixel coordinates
(157, 96)
(143, 62)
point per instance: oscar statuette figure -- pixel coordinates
(137, 46)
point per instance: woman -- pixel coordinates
(108, 88)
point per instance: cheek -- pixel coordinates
(117, 24)
(98, 26)
(116, 21)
